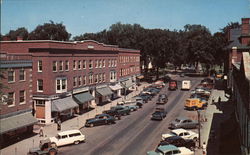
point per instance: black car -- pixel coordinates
(100, 119)
(145, 97)
(117, 111)
(159, 114)
(179, 142)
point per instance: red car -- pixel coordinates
(172, 85)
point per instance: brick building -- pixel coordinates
(68, 77)
(16, 100)
(239, 81)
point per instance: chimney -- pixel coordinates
(6, 38)
(19, 38)
(245, 27)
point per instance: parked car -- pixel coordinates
(145, 97)
(159, 114)
(179, 142)
(45, 147)
(173, 85)
(67, 137)
(171, 150)
(100, 119)
(184, 122)
(186, 134)
(117, 111)
(132, 107)
(162, 99)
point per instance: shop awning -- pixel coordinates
(104, 91)
(83, 97)
(16, 122)
(66, 103)
(116, 87)
(127, 84)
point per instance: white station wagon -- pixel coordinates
(68, 137)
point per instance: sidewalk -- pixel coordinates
(22, 147)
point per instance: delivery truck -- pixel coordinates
(186, 85)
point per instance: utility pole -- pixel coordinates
(199, 128)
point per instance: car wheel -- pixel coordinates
(91, 125)
(76, 142)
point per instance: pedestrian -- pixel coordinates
(59, 125)
(219, 101)
(41, 132)
(212, 101)
(204, 148)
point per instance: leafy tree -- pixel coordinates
(50, 31)
(22, 32)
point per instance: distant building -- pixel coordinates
(239, 80)
(70, 77)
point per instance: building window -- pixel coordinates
(96, 64)
(61, 85)
(74, 65)
(100, 63)
(39, 85)
(109, 63)
(11, 76)
(96, 78)
(22, 75)
(11, 99)
(112, 63)
(54, 66)
(40, 103)
(39, 66)
(90, 64)
(103, 77)
(100, 78)
(74, 81)
(79, 64)
(103, 61)
(91, 79)
(115, 63)
(84, 80)
(112, 76)
(66, 65)
(79, 81)
(22, 97)
(84, 64)
(60, 65)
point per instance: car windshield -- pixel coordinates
(172, 133)
(177, 120)
(159, 151)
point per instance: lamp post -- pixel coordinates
(199, 128)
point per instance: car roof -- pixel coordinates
(165, 148)
(102, 115)
(68, 132)
(173, 138)
(179, 130)
(182, 118)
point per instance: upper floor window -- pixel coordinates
(96, 64)
(61, 85)
(39, 66)
(115, 63)
(103, 63)
(74, 65)
(39, 85)
(100, 63)
(74, 81)
(11, 76)
(109, 63)
(96, 78)
(112, 63)
(103, 77)
(79, 64)
(60, 65)
(11, 99)
(84, 64)
(22, 97)
(90, 64)
(54, 66)
(100, 77)
(22, 75)
(79, 81)
(66, 65)
(91, 79)
(84, 80)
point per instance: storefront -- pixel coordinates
(127, 86)
(103, 94)
(84, 100)
(116, 88)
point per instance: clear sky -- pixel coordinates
(86, 16)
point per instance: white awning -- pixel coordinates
(116, 87)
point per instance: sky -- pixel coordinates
(91, 16)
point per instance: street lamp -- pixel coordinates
(199, 128)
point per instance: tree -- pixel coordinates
(50, 31)
(20, 32)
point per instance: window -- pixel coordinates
(11, 99)
(90, 64)
(84, 64)
(91, 79)
(11, 76)
(74, 65)
(79, 81)
(74, 81)
(112, 63)
(96, 78)
(22, 75)
(39, 85)
(54, 66)
(64, 136)
(40, 103)
(66, 65)
(22, 97)
(100, 63)
(103, 61)
(61, 85)
(79, 64)
(109, 63)
(39, 66)
(103, 77)
(100, 78)
(96, 64)
(84, 80)
(74, 134)
(115, 63)
(60, 65)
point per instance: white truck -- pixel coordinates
(186, 85)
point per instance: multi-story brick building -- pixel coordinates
(239, 80)
(71, 76)
(16, 99)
